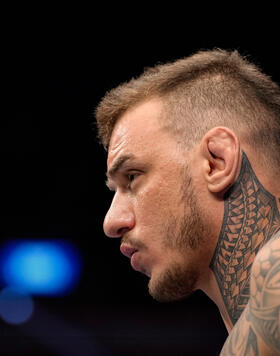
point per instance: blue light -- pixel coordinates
(41, 267)
(16, 307)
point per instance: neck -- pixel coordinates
(251, 218)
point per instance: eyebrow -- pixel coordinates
(117, 165)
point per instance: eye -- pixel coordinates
(131, 178)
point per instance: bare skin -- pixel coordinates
(230, 248)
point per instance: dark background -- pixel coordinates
(53, 74)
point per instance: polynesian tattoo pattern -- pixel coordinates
(261, 317)
(265, 294)
(242, 340)
(251, 218)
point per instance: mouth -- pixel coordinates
(128, 251)
(135, 258)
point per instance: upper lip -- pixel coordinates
(128, 251)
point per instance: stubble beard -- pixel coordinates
(186, 235)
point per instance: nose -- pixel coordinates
(119, 218)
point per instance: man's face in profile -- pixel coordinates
(154, 210)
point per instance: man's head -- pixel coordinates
(154, 209)
(173, 138)
(207, 89)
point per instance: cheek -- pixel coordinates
(155, 202)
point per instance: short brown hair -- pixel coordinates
(208, 89)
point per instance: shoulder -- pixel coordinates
(265, 266)
(257, 332)
(265, 293)
(269, 250)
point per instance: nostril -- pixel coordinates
(114, 229)
(122, 231)
(118, 221)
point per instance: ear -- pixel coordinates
(221, 153)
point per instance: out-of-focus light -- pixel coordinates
(41, 267)
(16, 307)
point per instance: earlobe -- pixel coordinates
(221, 150)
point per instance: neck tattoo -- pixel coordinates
(251, 218)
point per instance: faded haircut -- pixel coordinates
(208, 89)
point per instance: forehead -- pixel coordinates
(138, 130)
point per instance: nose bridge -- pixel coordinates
(120, 216)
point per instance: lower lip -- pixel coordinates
(134, 261)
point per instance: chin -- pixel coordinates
(173, 284)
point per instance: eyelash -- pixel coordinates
(131, 178)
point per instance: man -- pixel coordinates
(193, 158)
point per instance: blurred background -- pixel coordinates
(54, 71)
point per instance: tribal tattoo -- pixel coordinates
(265, 294)
(257, 332)
(251, 218)
(242, 340)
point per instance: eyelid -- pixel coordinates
(122, 174)
(132, 172)
(135, 175)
